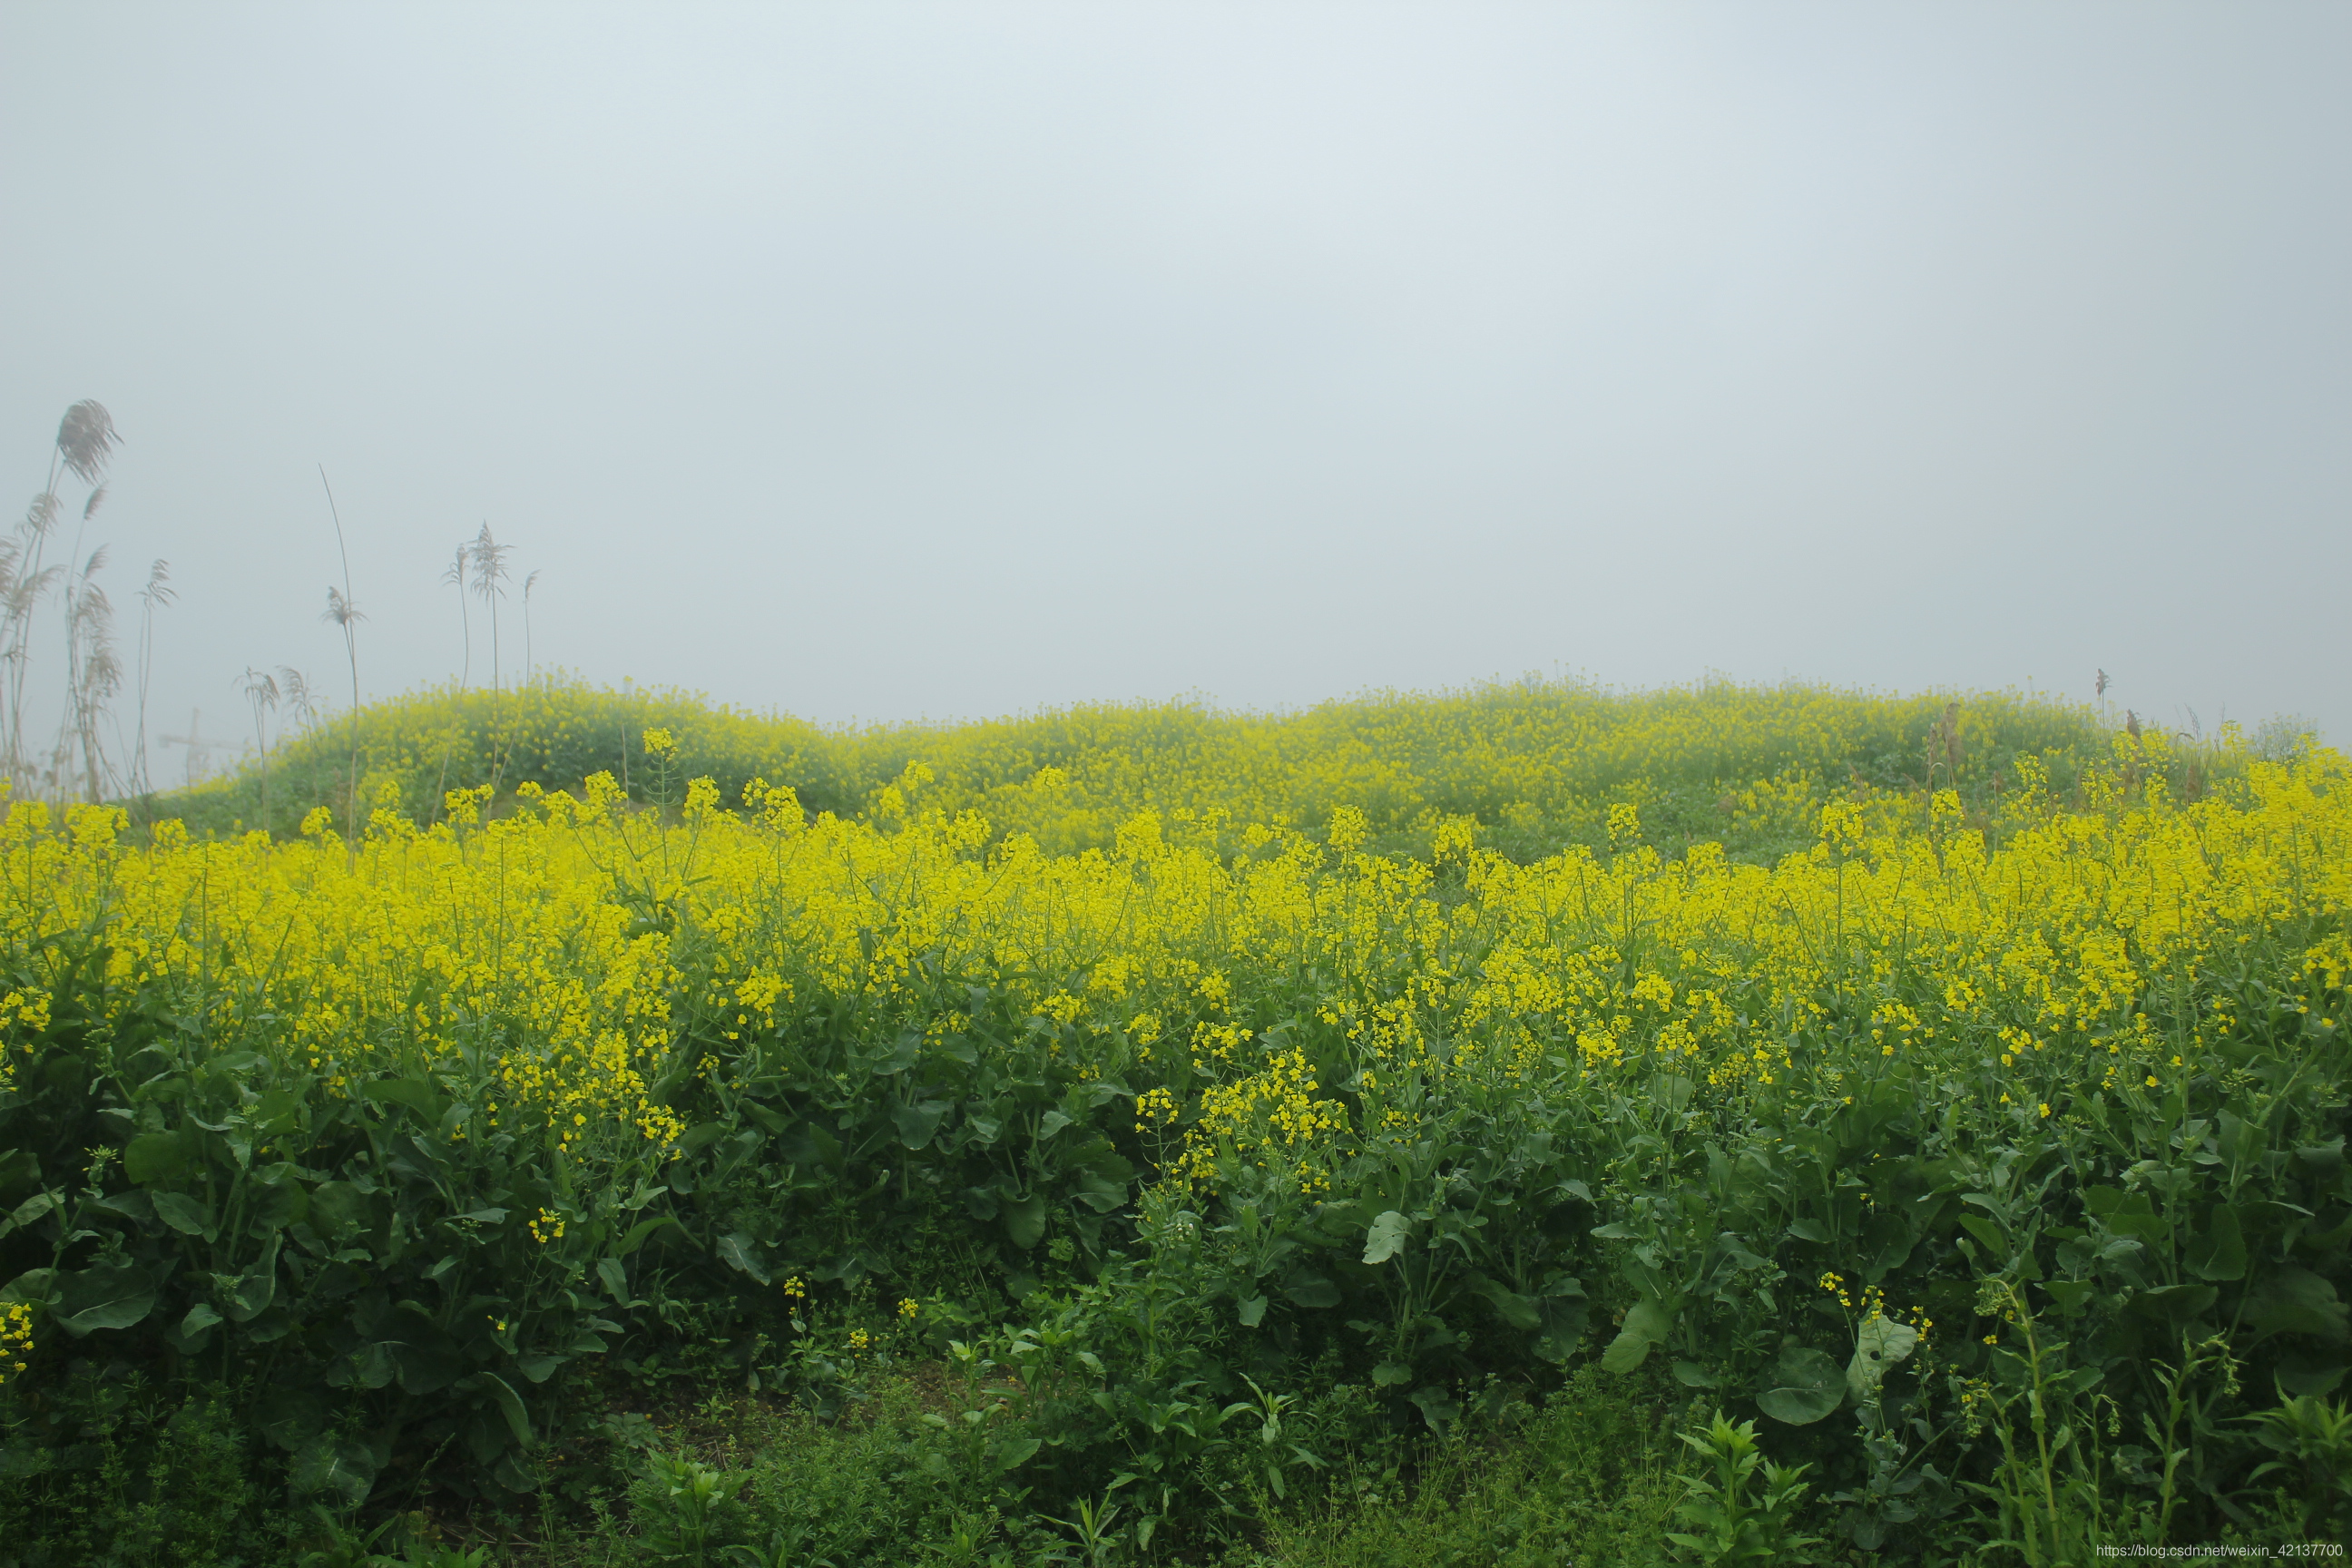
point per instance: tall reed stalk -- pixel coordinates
(489, 585)
(345, 616)
(157, 593)
(84, 447)
(260, 690)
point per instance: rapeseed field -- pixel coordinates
(1214, 1106)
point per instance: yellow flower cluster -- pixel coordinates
(15, 1338)
(567, 958)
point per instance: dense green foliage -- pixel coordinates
(1982, 1162)
(1536, 762)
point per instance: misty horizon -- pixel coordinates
(881, 366)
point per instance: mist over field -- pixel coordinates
(1324, 786)
(887, 362)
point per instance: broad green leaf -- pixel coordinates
(183, 1215)
(516, 1473)
(1052, 1122)
(2297, 1302)
(253, 1291)
(1388, 1375)
(338, 1208)
(1025, 1220)
(109, 1295)
(1012, 1453)
(2071, 1295)
(1881, 1343)
(1514, 1309)
(2176, 1303)
(1690, 1375)
(1626, 1352)
(639, 1231)
(2219, 1251)
(415, 1093)
(1313, 1291)
(919, 1122)
(154, 1157)
(199, 1318)
(31, 1209)
(1099, 1193)
(32, 1288)
(615, 1278)
(337, 1466)
(1438, 1407)
(1384, 1238)
(1804, 1385)
(1650, 1320)
(1253, 1312)
(510, 1405)
(1563, 1328)
(739, 1252)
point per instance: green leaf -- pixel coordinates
(31, 1209)
(1804, 1386)
(1690, 1375)
(1388, 1374)
(415, 1093)
(739, 1252)
(34, 1286)
(338, 1467)
(1384, 1238)
(538, 1368)
(1439, 1408)
(154, 1157)
(1100, 1194)
(919, 1122)
(250, 1296)
(615, 1278)
(1626, 1352)
(1012, 1453)
(184, 1214)
(639, 1231)
(1514, 1309)
(2071, 1295)
(1253, 1312)
(1563, 1328)
(199, 1318)
(338, 1209)
(510, 1406)
(110, 1296)
(2176, 1303)
(1053, 1121)
(2219, 1251)
(1651, 1320)
(1811, 1230)
(1025, 1220)
(1313, 1291)
(1881, 1343)
(2296, 1302)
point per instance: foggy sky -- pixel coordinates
(886, 361)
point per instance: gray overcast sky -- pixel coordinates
(888, 360)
